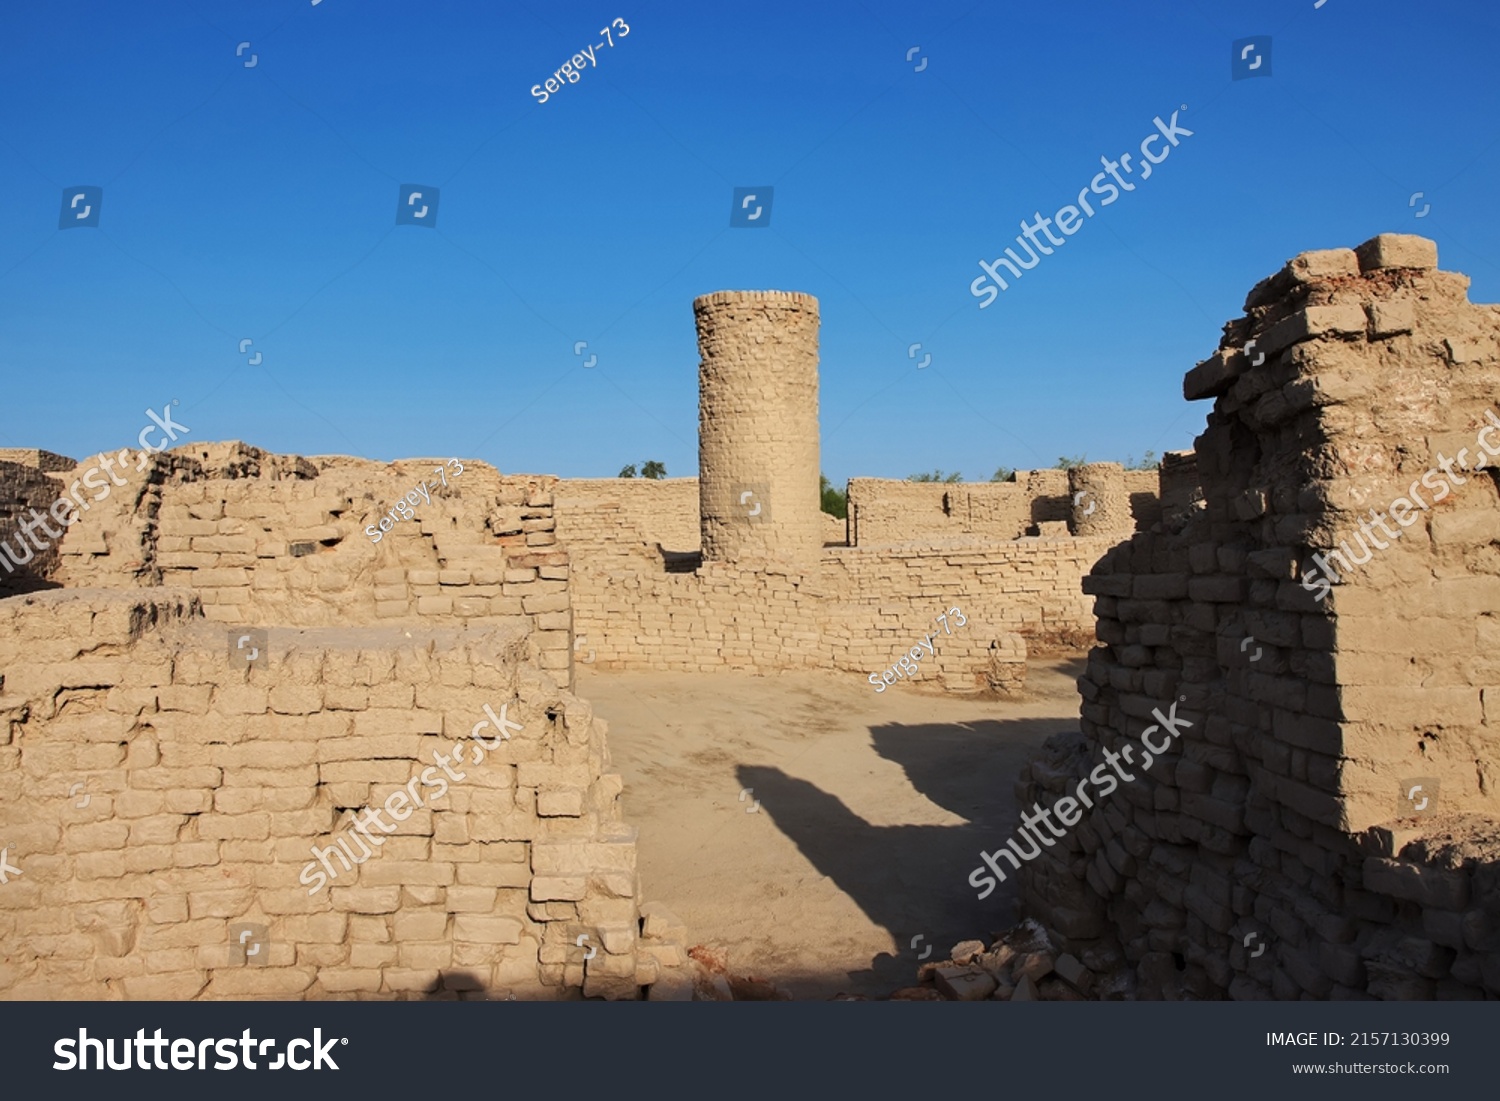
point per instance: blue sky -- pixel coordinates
(259, 203)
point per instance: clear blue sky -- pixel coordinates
(259, 203)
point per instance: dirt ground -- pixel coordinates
(872, 811)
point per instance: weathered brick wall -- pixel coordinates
(282, 540)
(48, 462)
(1273, 850)
(859, 612)
(155, 794)
(1179, 482)
(28, 556)
(884, 511)
(599, 512)
(1144, 490)
(1031, 587)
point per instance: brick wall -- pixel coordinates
(156, 793)
(47, 462)
(883, 511)
(1283, 816)
(282, 540)
(858, 612)
(598, 512)
(26, 564)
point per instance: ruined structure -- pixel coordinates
(162, 787)
(759, 579)
(1311, 642)
(221, 661)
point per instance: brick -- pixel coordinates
(480, 929)
(1397, 250)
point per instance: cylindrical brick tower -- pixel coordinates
(1101, 503)
(758, 488)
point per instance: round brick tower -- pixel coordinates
(1101, 502)
(758, 488)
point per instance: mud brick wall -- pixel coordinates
(601, 512)
(47, 462)
(154, 795)
(281, 540)
(1144, 490)
(1283, 816)
(1031, 587)
(884, 511)
(858, 613)
(24, 565)
(1179, 482)
(750, 615)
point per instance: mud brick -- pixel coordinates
(1397, 250)
(964, 984)
(1433, 887)
(1322, 264)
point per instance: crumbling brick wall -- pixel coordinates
(48, 462)
(1277, 847)
(883, 511)
(28, 558)
(281, 540)
(156, 794)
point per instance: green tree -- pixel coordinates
(629, 472)
(1066, 463)
(1149, 462)
(1004, 474)
(654, 470)
(937, 476)
(835, 501)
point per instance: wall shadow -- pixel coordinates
(913, 879)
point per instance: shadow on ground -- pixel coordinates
(912, 880)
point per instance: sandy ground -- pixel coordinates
(873, 809)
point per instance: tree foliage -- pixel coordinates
(651, 469)
(835, 501)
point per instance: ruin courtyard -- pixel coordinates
(697, 739)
